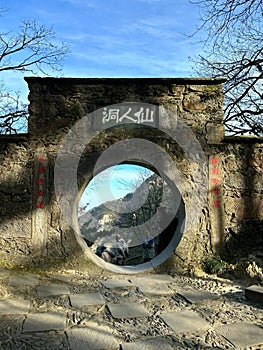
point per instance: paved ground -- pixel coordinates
(75, 311)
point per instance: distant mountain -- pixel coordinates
(100, 224)
(154, 188)
(129, 216)
(150, 190)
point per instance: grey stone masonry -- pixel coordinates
(197, 296)
(184, 321)
(14, 306)
(116, 283)
(128, 310)
(97, 318)
(52, 290)
(158, 290)
(151, 344)
(23, 280)
(88, 299)
(242, 334)
(62, 277)
(152, 280)
(93, 337)
(45, 321)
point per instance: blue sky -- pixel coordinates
(116, 38)
(112, 183)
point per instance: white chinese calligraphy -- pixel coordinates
(129, 115)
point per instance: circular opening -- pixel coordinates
(130, 217)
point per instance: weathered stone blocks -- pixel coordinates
(29, 234)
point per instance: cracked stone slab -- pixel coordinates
(152, 280)
(128, 310)
(52, 290)
(151, 344)
(197, 296)
(242, 334)
(44, 321)
(62, 277)
(115, 283)
(93, 336)
(23, 280)
(14, 306)
(158, 290)
(186, 321)
(88, 299)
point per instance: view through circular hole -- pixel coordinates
(124, 215)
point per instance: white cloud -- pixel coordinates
(82, 3)
(150, 1)
(130, 63)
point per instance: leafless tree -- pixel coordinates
(234, 49)
(147, 187)
(33, 49)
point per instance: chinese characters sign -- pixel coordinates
(40, 182)
(130, 113)
(216, 203)
(215, 182)
(39, 217)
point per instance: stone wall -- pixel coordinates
(32, 226)
(243, 204)
(15, 195)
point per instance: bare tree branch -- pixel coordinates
(13, 113)
(234, 50)
(33, 49)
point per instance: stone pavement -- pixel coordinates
(75, 311)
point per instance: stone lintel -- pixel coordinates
(124, 81)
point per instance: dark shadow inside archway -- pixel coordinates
(130, 218)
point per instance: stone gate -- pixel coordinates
(173, 126)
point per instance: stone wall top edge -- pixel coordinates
(122, 81)
(14, 138)
(243, 139)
